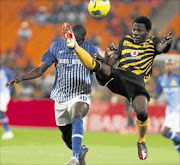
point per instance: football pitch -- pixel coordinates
(35, 146)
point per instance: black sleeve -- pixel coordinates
(156, 41)
(119, 50)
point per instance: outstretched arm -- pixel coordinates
(34, 73)
(166, 45)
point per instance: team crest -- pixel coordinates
(134, 53)
(173, 83)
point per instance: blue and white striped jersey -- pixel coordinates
(171, 88)
(72, 78)
(5, 76)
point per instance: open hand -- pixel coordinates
(168, 38)
(97, 57)
(13, 81)
(111, 49)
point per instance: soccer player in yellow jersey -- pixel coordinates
(135, 55)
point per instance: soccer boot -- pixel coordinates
(142, 150)
(69, 36)
(73, 161)
(82, 157)
(7, 135)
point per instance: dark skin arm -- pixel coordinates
(168, 39)
(155, 95)
(110, 57)
(34, 73)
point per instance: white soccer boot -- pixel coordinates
(73, 161)
(69, 36)
(7, 135)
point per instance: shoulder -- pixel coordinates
(6, 70)
(86, 43)
(89, 47)
(58, 43)
(176, 75)
(155, 39)
(163, 76)
(127, 38)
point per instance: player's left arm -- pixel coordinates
(164, 47)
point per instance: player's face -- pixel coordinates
(169, 66)
(139, 33)
(79, 38)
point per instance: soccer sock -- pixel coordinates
(173, 136)
(4, 120)
(85, 58)
(142, 128)
(81, 151)
(77, 137)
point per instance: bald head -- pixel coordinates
(80, 33)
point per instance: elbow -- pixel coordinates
(41, 73)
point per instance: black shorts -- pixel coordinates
(124, 83)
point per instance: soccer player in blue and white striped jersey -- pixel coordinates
(71, 90)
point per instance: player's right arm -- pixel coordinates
(110, 57)
(47, 60)
(34, 73)
(113, 53)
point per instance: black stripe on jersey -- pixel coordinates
(138, 65)
(129, 39)
(130, 47)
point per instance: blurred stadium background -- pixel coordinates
(27, 29)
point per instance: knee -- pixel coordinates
(76, 115)
(79, 110)
(163, 133)
(142, 116)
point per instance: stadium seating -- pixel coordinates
(10, 23)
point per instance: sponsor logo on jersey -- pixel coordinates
(134, 53)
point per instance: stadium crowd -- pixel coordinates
(75, 13)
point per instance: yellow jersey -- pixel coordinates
(137, 58)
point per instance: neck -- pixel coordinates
(169, 74)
